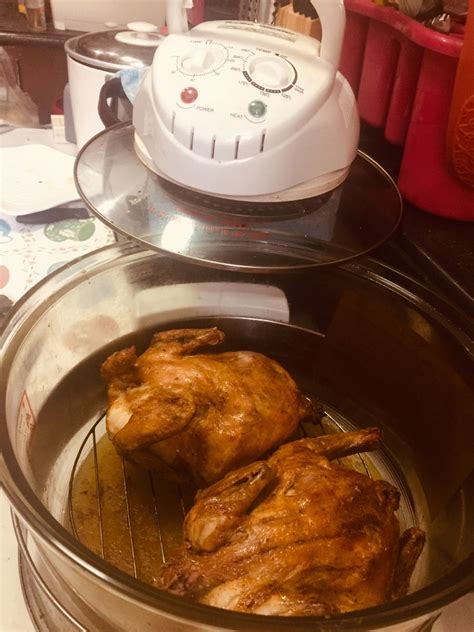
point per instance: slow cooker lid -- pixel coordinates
(347, 222)
(116, 49)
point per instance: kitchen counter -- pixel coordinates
(437, 251)
(27, 254)
(444, 250)
(31, 251)
(14, 615)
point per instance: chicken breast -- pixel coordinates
(296, 535)
(204, 414)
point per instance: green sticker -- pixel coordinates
(74, 229)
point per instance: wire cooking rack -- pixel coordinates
(131, 516)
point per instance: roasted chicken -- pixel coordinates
(296, 535)
(205, 414)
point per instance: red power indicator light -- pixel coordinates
(188, 95)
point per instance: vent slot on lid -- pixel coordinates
(213, 148)
(191, 140)
(236, 151)
(173, 119)
(262, 143)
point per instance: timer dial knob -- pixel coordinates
(270, 71)
(202, 59)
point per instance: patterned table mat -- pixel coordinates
(29, 252)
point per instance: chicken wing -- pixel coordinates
(205, 414)
(296, 535)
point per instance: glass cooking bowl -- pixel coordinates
(375, 347)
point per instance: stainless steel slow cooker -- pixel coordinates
(92, 61)
(374, 346)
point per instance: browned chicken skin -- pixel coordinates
(206, 414)
(296, 535)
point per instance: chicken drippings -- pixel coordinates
(155, 511)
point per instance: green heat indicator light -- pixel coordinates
(257, 109)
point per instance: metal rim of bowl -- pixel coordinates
(54, 535)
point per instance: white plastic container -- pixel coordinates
(94, 15)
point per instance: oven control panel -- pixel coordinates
(229, 90)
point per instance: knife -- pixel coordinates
(54, 214)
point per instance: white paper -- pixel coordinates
(35, 178)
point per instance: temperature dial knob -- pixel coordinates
(271, 72)
(202, 59)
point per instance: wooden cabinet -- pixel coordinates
(41, 73)
(38, 58)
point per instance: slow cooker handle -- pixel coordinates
(110, 89)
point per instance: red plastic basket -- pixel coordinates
(403, 75)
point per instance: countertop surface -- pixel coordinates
(437, 251)
(31, 251)
(28, 252)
